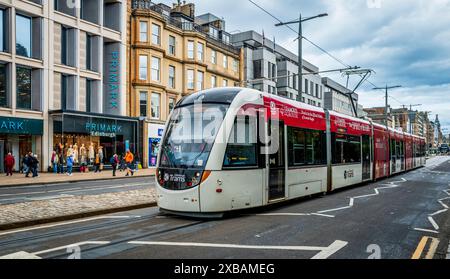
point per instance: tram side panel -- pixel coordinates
(348, 163)
(408, 152)
(381, 152)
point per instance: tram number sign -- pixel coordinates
(175, 177)
(349, 174)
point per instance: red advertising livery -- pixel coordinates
(269, 149)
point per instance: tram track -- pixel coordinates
(133, 238)
(79, 229)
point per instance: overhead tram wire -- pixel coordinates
(308, 40)
(314, 44)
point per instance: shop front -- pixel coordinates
(19, 136)
(88, 136)
(155, 134)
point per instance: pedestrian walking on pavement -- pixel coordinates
(129, 158)
(54, 161)
(114, 163)
(9, 163)
(70, 160)
(97, 163)
(34, 165)
(27, 163)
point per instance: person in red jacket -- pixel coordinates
(9, 163)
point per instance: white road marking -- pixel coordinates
(376, 190)
(20, 255)
(324, 253)
(433, 223)
(78, 244)
(334, 209)
(442, 203)
(425, 230)
(324, 215)
(333, 248)
(283, 214)
(439, 212)
(66, 223)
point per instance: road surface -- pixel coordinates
(405, 216)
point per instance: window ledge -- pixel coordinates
(29, 111)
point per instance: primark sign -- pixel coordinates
(103, 129)
(21, 126)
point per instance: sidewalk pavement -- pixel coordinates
(19, 179)
(26, 214)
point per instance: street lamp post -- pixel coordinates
(300, 47)
(386, 103)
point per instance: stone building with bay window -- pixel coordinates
(173, 53)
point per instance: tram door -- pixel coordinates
(276, 161)
(365, 157)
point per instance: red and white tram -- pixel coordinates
(234, 148)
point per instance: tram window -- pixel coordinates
(305, 147)
(346, 149)
(242, 145)
(392, 148)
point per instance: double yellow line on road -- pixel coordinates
(433, 244)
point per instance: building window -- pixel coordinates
(190, 50)
(213, 81)
(306, 87)
(156, 34)
(156, 99)
(89, 52)
(214, 57)
(3, 34)
(257, 69)
(225, 83)
(23, 35)
(89, 84)
(294, 81)
(143, 67)
(311, 87)
(306, 147)
(143, 103)
(225, 61)
(200, 51)
(156, 66)
(23, 81)
(171, 45)
(317, 91)
(345, 149)
(172, 102)
(171, 76)
(200, 76)
(272, 70)
(235, 65)
(190, 79)
(3, 86)
(64, 46)
(288, 79)
(143, 30)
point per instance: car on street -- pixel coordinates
(444, 148)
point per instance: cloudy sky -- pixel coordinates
(406, 42)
